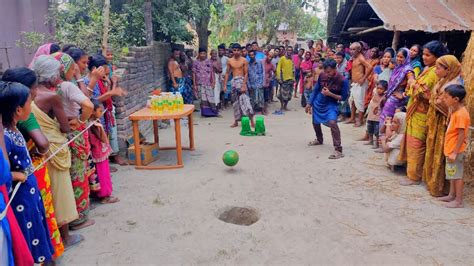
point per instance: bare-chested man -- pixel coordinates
(173, 68)
(238, 66)
(361, 69)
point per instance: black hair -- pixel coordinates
(403, 109)
(21, 75)
(202, 49)
(310, 41)
(436, 48)
(174, 49)
(457, 91)
(319, 54)
(54, 48)
(289, 46)
(383, 84)
(341, 53)
(236, 46)
(221, 46)
(251, 51)
(330, 63)
(420, 50)
(390, 50)
(281, 46)
(96, 104)
(248, 44)
(96, 60)
(66, 47)
(404, 52)
(12, 96)
(254, 43)
(76, 53)
(377, 53)
(301, 49)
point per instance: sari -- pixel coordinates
(416, 65)
(434, 167)
(414, 145)
(44, 49)
(27, 204)
(58, 168)
(44, 184)
(80, 172)
(391, 103)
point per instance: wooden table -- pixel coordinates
(148, 114)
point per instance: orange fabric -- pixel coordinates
(458, 120)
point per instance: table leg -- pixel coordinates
(191, 132)
(155, 132)
(136, 138)
(179, 149)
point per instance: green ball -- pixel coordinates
(230, 158)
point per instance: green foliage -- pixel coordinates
(31, 40)
(241, 21)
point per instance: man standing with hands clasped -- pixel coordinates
(331, 88)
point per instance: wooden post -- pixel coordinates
(396, 39)
(179, 148)
(105, 31)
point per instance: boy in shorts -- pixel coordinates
(455, 143)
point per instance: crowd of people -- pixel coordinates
(58, 130)
(58, 135)
(411, 100)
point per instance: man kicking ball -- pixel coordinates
(331, 88)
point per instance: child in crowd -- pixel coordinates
(373, 115)
(308, 86)
(455, 143)
(101, 150)
(395, 130)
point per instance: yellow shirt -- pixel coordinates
(285, 69)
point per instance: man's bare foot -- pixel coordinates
(357, 124)
(350, 121)
(364, 138)
(109, 200)
(113, 169)
(369, 143)
(234, 125)
(454, 204)
(407, 182)
(447, 198)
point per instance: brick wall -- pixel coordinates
(144, 69)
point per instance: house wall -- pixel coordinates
(144, 69)
(17, 16)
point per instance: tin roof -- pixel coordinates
(425, 15)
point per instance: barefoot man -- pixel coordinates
(238, 66)
(361, 69)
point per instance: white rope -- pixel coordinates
(17, 186)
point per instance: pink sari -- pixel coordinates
(305, 66)
(44, 49)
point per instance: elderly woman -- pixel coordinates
(49, 112)
(448, 70)
(419, 90)
(78, 109)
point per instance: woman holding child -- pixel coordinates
(448, 69)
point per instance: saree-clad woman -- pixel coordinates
(419, 90)
(448, 69)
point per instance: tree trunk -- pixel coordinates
(148, 21)
(105, 31)
(203, 31)
(332, 13)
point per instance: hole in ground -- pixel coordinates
(239, 216)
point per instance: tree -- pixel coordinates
(332, 13)
(105, 30)
(147, 10)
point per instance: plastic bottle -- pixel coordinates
(165, 103)
(159, 105)
(170, 103)
(180, 102)
(175, 102)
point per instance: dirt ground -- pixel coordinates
(312, 210)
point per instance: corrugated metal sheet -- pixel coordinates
(425, 15)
